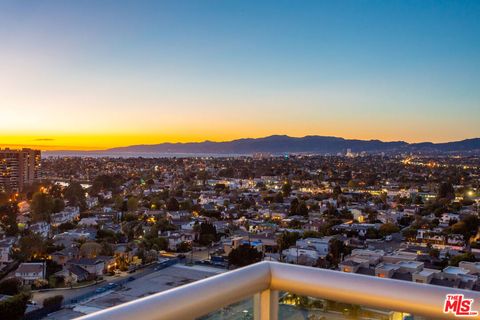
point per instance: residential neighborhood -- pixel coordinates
(88, 222)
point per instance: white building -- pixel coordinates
(321, 245)
(28, 272)
(41, 228)
(5, 250)
(301, 256)
(69, 214)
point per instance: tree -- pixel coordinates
(3, 198)
(287, 239)
(455, 260)
(132, 204)
(186, 205)
(164, 225)
(106, 182)
(53, 303)
(278, 198)
(56, 191)
(337, 191)
(337, 251)
(42, 206)
(172, 204)
(90, 249)
(409, 233)
(468, 227)
(154, 242)
(387, 229)
(302, 209)
(184, 247)
(435, 253)
(8, 218)
(472, 222)
(107, 249)
(244, 255)
(66, 226)
(14, 307)
(11, 286)
(294, 206)
(32, 246)
(446, 191)
(58, 205)
(75, 195)
(286, 189)
(372, 216)
(107, 235)
(208, 233)
(352, 184)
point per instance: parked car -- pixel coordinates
(100, 290)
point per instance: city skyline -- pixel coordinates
(91, 75)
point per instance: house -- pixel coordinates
(109, 262)
(78, 273)
(41, 228)
(373, 257)
(176, 238)
(94, 266)
(360, 228)
(74, 274)
(91, 202)
(386, 270)
(268, 240)
(5, 250)
(188, 225)
(430, 236)
(179, 215)
(425, 275)
(69, 214)
(455, 240)
(352, 266)
(472, 267)
(321, 245)
(314, 226)
(231, 243)
(124, 250)
(301, 256)
(63, 256)
(29, 272)
(88, 222)
(447, 218)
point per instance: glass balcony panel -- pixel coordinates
(296, 307)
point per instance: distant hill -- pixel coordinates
(468, 145)
(278, 144)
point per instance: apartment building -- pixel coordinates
(18, 168)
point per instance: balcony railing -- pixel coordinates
(264, 280)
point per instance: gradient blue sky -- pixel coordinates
(93, 74)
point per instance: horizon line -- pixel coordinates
(65, 148)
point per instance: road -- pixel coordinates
(69, 294)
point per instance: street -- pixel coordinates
(69, 294)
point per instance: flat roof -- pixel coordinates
(455, 270)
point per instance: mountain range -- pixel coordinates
(278, 144)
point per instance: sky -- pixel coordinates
(99, 74)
